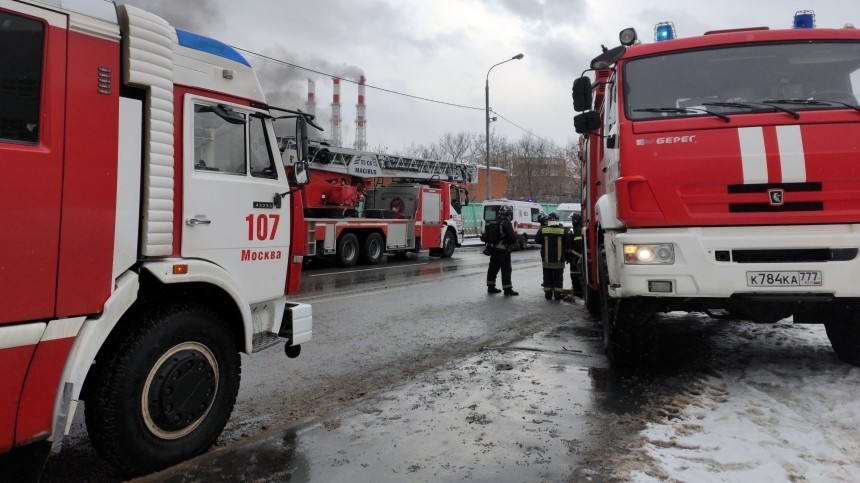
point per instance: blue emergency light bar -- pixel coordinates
(211, 46)
(804, 19)
(664, 31)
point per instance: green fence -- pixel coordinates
(473, 213)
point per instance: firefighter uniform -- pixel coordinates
(500, 253)
(554, 240)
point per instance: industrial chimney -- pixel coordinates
(360, 119)
(311, 106)
(335, 114)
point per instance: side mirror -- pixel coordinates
(466, 197)
(300, 171)
(302, 139)
(586, 122)
(608, 58)
(582, 94)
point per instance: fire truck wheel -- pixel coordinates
(843, 330)
(449, 243)
(629, 327)
(165, 389)
(590, 297)
(347, 250)
(373, 249)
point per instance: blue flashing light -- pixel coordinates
(212, 46)
(804, 19)
(664, 31)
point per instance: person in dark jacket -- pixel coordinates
(554, 240)
(500, 238)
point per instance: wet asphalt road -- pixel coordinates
(416, 374)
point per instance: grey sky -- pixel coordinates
(441, 49)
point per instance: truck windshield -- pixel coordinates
(786, 77)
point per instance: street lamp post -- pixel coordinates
(487, 93)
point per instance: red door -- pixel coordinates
(32, 96)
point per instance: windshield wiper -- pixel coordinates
(811, 102)
(683, 110)
(753, 105)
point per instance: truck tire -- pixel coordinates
(347, 250)
(522, 241)
(372, 249)
(449, 244)
(590, 297)
(629, 327)
(843, 330)
(164, 389)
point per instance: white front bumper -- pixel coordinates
(697, 273)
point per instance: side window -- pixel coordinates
(22, 40)
(535, 214)
(219, 146)
(262, 164)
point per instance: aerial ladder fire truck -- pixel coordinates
(147, 234)
(721, 176)
(360, 205)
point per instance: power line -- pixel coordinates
(283, 62)
(525, 130)
(278, 61)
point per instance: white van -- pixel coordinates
(564, 210)
(525, 219)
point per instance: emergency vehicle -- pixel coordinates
(147, 233)
(722, 175)
(360, 205)
(524, 220)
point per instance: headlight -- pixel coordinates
(661, 254)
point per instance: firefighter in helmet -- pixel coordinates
(554, 240)
(542, 218)
(500, 238)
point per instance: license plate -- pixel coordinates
(811, 278)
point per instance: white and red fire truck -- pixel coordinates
(723, 174)
(146, 235)
(360, 205)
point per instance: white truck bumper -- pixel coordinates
(718, 261)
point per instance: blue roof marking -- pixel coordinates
(212, 46)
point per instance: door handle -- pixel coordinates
(195, 221)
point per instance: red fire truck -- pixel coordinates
(723, 175)
(360, 205)
(146, 235)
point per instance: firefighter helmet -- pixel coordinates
(542, 218)
(506, 211)
(552, 216)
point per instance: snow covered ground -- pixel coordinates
(781, 407)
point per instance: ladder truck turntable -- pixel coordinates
(417, 208)
(720, 174)
(147, 233)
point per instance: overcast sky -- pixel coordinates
(442, 49)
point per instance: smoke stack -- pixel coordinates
(335, 114)
(311, 106)
(360, 119)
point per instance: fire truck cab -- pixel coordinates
(146, 235)
(722, 173)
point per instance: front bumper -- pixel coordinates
(708, 261)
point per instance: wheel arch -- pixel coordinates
(207, 284)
